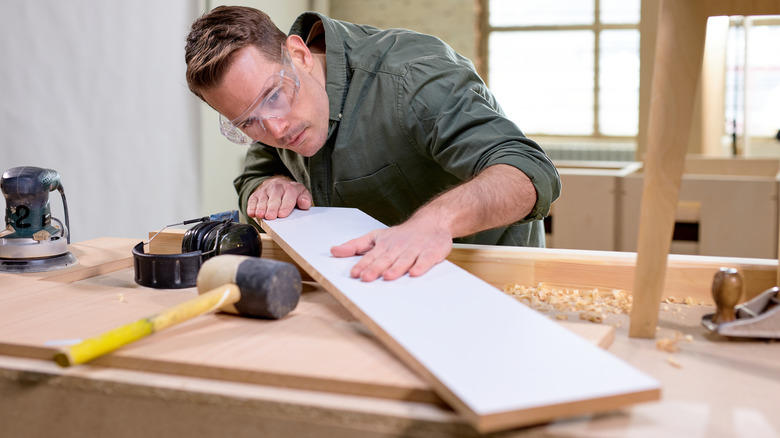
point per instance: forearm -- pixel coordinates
(498, 196)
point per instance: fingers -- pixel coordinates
(256, 205)
(358, 246)
(387, 256)
(277, 197)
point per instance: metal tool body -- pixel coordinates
(30, 242)
(757, 318)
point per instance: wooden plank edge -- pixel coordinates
(686, 275)
(117, 255)
(496, 422)
(124, 359)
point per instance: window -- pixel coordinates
(565, 67)
(752, 107)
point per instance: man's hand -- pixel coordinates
(498, 196)
(414, 247)
(276, 197)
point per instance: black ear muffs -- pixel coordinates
(193, 238)
(201, 242)
(231, 238)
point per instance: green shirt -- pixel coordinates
(409, 118)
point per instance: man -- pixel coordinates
(392, 122)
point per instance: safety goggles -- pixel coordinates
(275, 101)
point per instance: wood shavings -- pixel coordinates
(690, 301)
(669, 345)
(592, 317)
(672, 346)
(592, 304)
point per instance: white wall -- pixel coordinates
(95, 90)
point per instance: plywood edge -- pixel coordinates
(497, 422)
(598, 334)
(127, 361)
(96, 257)
(28, 351)
(306, 407)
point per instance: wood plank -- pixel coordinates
(497, 362)
(95, 256)
(686, 275)
(320, 346)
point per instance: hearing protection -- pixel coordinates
(207, 239)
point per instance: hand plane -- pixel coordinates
(756, 318)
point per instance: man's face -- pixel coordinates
(246, 96)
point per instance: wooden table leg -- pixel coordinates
(678, 60)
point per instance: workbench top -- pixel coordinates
(711, 387)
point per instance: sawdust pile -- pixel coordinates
(592, 304)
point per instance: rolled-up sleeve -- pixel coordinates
(449, 114)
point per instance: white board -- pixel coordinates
(497, 362)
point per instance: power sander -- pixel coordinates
(30, 243)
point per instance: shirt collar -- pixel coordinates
(336, 80)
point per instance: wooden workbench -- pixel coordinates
(712, 387)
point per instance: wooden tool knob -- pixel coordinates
(726, 291)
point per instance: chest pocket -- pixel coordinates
(384, 195)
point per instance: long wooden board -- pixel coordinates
(686, 275)
(319, 346)
(495, 361)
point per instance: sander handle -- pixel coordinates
(107, 342)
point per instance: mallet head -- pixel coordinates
(269, 288)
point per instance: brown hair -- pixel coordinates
(216, 35)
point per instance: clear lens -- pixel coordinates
(249, 127)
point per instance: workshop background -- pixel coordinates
(96, 90)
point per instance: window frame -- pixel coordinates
(484, 29)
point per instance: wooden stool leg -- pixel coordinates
(678, 59)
